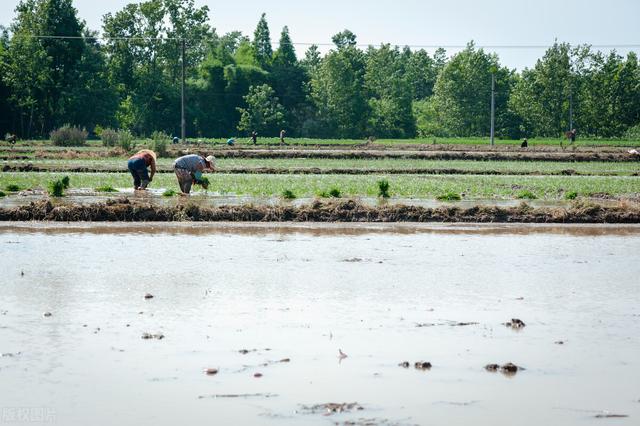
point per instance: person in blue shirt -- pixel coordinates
(189, 170)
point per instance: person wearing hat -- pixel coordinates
(137, 166)
(189, 169)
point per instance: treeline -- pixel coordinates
(130, 79)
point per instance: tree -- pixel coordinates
(262, 43)
(263, 113)
(338, 90)
(462, 93)
(389, 92)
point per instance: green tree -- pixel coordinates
(338, 90)
(263, 112)
(262, 43)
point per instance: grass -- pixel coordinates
(449, 196)
(106, 188)
(288, 194)
(66, 181)
(418, 186)
(526, 195)
(571, 195)
(12, 188)
(2, 194)
(169, 193)
(332, 193)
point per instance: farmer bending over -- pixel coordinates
(138, 164)
(189, 170)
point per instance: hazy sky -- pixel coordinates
(418, 22)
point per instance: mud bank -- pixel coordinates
(59, 168)
(125, 210)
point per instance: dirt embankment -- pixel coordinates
(124, 210)
(303, 171)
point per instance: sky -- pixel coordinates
(418, 22)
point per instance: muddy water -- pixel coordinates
(300, 293)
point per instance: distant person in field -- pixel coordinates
(189, 170)
(231, 141)
(282, 135)
(571, 136)
(525, 143)
(11, 139)
(254, 137)
(138, 164)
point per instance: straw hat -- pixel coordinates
(211, 160)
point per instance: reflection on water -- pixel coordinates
(281, 302)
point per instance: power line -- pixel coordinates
(416, 46)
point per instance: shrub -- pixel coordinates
(109, 137)
(571, 195)
(56, 188)
(449, 196)
(383, 188)
(159, 144)
(65, 182)
(169, 193)
(12, 187)
(633, 133)
(526, 195)
(106, 188)
(2, 194)
(335, 193)
(69, 136)
(125, 140)
(287, 194)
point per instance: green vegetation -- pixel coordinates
(287, 194)
(449, 196)
(68, 136)
(571, 195)
(56, 188)
(169, 193)
(239, 84)
(417, 186)
(12, 188)
(383, 188)
(2, 194)
(526, 195)
(66, 181)
(159, 143)
(106, 188)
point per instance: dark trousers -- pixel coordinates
(138, 169)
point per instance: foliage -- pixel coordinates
(571, 195)
(160, 140)
(287, 194)
(449, 196)
(169, 193)
(2, 194)
(66, 182)
(332, 193)
(263, 112)
(68, 136)
(383, 188)
(12, 187)
(125, 140)
(526, 195)
(109, 137)
(56, 188)
(106, 188)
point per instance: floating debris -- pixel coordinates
(241, 395)
(404, 364)
(342, 355)
(516, 324)
(285, 360)
(148, 296)
(332, 408)
(47, 314)
(422, 365)
(148, 336)
(448, 323)
(211, 371)
(508, 369)
(559, 342)
(257, 375)
(611, 416)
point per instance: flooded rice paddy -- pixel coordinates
(309, 325)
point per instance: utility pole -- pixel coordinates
(571, 110)
(493, 108)
(183, 121)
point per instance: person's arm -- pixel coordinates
(153, 168)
